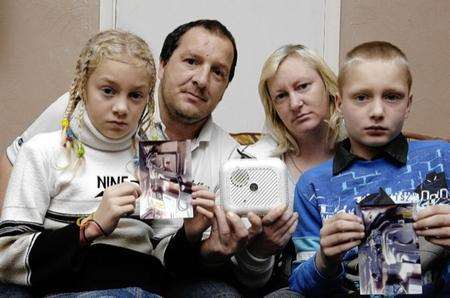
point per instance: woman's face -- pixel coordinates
(299, 97)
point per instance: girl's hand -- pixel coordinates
(203, 202)
(339, 233)
(433, 223)
(118, 200)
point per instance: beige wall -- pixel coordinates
(39, 44)
(421, 29)
(40, 40)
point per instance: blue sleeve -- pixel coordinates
(305, 278)
(446, 154)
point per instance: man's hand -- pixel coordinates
(277, 228)
(118, 200)
(433, 223)
(228, 235)
(339, 233)
(203, 202)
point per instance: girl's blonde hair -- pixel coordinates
(115, 45)
(286, 142)
(371, 51)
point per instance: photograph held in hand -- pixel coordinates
(165, 177)
(389, 255)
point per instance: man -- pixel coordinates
(197, 63)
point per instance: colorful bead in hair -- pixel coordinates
(80, 149)
(65, 123)
(70, 136)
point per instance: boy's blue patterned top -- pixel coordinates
(319, 195)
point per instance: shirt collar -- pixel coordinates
(395, 151)
(84, 131)
(206, 131)
(159, 132)
(205, 135)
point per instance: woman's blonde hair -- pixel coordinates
(115, 45)
(286, 142)
(374, 50)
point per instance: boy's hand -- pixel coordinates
(203, 202)
(228, 235)
(339, 233)
(433, 223)
(118, 200)
(277, 228)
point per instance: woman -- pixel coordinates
(297, 90)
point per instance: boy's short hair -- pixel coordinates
(374, 50)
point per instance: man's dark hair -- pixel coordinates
(214, 26)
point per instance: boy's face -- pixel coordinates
(375, 102)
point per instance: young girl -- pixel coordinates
(376, 159)
(62, 227)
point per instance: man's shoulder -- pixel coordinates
(215, 144)
(43, 145)
(46, 140)
(48, 121)
(221, 138)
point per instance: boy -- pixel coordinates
(374, 99)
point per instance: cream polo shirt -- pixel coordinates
(49, 120)
(209, 151)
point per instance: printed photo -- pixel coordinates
(389, 256)
(165, 179)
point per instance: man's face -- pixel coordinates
(375, 102)
(195, 77)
